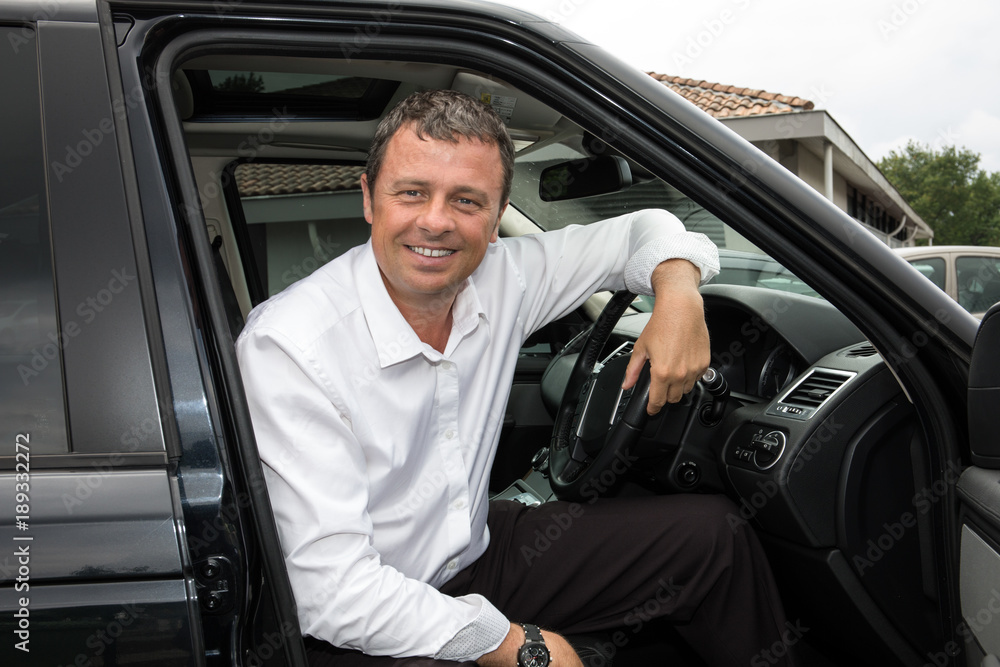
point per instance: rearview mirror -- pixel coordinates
(586, 177)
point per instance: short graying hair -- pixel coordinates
(444, 115)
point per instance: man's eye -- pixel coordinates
(464, 201)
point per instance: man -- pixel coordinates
(377, 388)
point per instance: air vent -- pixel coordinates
(863, 350)
(810, 393)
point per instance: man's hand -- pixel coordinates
(675, 341)
(505, 655)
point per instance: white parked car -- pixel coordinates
(969, 274)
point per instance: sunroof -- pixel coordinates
(289, 83)
(236, 95)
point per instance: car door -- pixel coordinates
(93, 570)
(979, 491)
(629, 111)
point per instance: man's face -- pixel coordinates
(434, 209)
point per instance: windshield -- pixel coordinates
(742, 263)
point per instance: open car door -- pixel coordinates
(979, 494)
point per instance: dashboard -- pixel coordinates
(808, 406)
(763, 339)
(818, 445)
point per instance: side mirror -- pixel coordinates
(984, 392)
(586, 177)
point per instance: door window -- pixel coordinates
(978, 282)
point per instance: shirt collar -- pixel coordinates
(394, 338)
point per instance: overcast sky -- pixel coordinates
(887, 71)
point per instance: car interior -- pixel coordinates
(804, 426)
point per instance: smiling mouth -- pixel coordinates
(430, 252)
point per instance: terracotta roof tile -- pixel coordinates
(260, 178)
(721, 100)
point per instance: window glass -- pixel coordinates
(933, 268)
(978, 282)
(31, 382)
(289, 83)
(742, 263)
(299, 217)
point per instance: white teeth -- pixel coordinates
(428, 252)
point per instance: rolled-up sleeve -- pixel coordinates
(692, 246)
(566, 266)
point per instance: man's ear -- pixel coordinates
(496, 227)
(366, 195)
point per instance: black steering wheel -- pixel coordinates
(597, 423)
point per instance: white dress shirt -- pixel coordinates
(377, 448)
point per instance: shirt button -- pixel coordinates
(458, 504)
(447, 365)
(449, 434)
(452, 564)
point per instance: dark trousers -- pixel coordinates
(616, 565)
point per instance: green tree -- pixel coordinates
(947, 188)
(242, 83)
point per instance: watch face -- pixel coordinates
(533, 655)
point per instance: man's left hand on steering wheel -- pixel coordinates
(675, 341)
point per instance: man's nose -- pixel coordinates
(436, 218)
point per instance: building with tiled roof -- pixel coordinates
(722, 101)
(812, 145)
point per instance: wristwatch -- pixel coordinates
(534, 652)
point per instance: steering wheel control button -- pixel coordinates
(767, 448)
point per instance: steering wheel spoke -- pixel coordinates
(598, 422)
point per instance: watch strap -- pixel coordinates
(532, 633)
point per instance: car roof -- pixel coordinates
(932, 251)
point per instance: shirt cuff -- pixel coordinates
(692, 246)
(484, 634)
